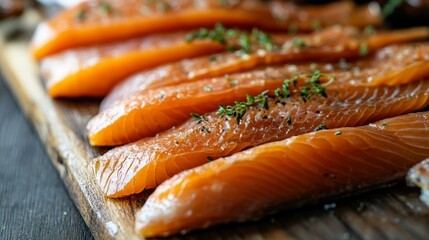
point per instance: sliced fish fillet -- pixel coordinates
(95, 22)
(331, 44)
(93, 71)
(145, 113)
(285, 174)
(131, 168)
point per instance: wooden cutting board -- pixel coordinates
(392, 213)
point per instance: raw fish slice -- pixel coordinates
(93, 71)
(286, 174)
(95, 22)
(145, 164)
(145, 113)
(419, 176)
(332, 44)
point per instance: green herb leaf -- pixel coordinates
(213, 58)
(390, 7)
(298, 42)
(293, 28)
(199, 118)
(313, 87)
(363, 49)
(316, 25)
(234, 39)
(240, 108)
(369, 30)
(320, 127)
(338, 133)
(81, 15)
(205, 129)
(289, 120)
(106, 8)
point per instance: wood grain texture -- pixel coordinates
(393, 213)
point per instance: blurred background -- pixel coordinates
(397, 13)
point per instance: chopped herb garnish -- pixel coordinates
(161, 95)
(384, 124)
(316, 25)
(314, 87)
(233, 83)
(227, 77)
(209, 159)
(81, 15)
(205, 129)
(240, 108)
(298, 42)
(289, 121)
(208, 88)
(293, 28)
(243, 41)
(338, 133)
(390, 7)
(213, 58)
(363, 49)
(320, 127)
(199, 118)
(410, 97)
(264, 39)
(106, 7)
(369, 30)
(162, 6)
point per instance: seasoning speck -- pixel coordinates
(320, 127)
(208, 88)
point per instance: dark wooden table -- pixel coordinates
(33, 201)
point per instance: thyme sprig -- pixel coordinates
(234, 39)
(240, 108)
(312, 87)
(199, 118)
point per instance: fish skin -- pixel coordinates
(270, 177)
(330, 44)
(93, 71)
(130, 169)
(419, 176)
(148, 112)
(129, 18)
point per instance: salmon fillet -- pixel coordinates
(146, 163)
(93, 71)
(145, 113)
(286, 174)
(419, 176)
(94, 22)
(332, 43)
